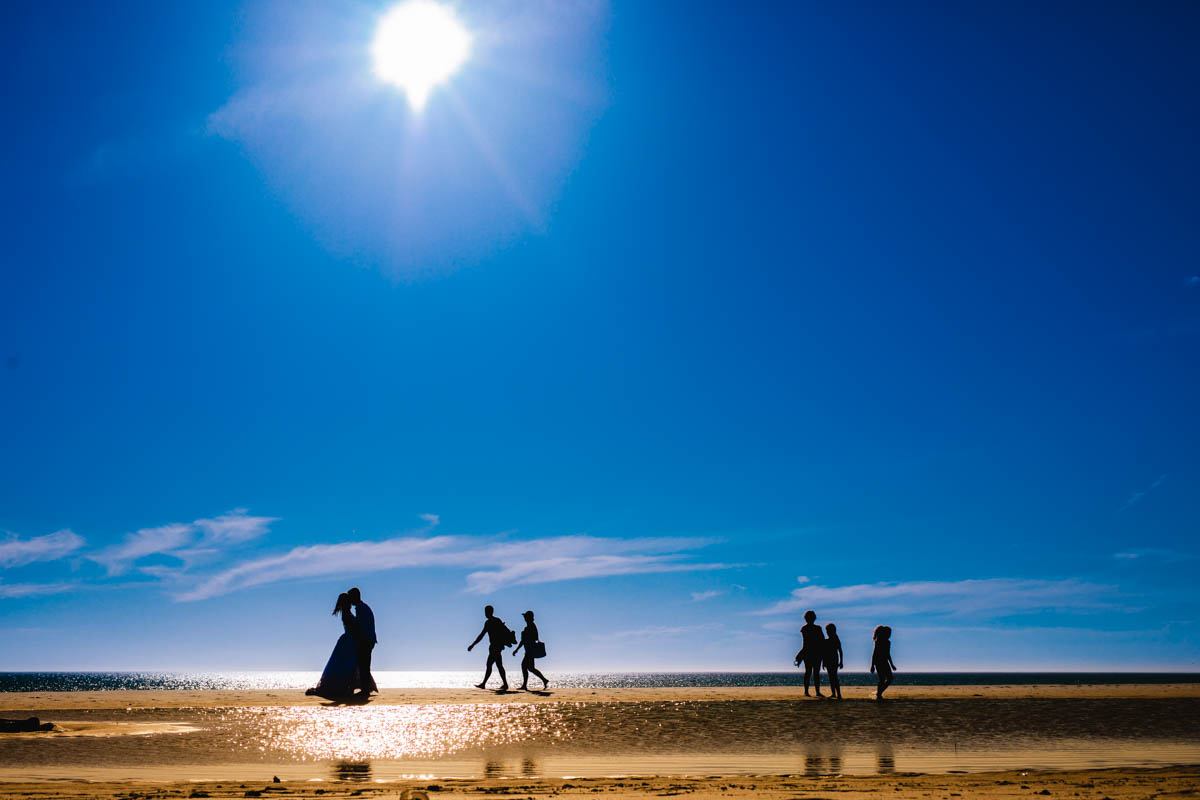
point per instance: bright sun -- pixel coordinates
(419, 44)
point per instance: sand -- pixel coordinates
(1126, 783)
(173, 698)
(1117, 784)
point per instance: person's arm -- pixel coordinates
(518, 647)
(892, 663)
(471, 646)
(874, 653)
(839, 647)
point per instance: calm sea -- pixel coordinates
(236, 681)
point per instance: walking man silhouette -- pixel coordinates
(499, 637)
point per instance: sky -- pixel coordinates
(668, 321)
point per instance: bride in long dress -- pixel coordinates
(340, 679)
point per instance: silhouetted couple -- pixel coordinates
(818, 651)
(499, 637)
(349, 667)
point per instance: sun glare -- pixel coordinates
(418, 45)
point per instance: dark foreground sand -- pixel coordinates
(1117, 784)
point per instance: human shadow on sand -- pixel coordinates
(360, 699)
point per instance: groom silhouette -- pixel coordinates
(366, 640)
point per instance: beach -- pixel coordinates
(1093, 741)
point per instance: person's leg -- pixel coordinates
(835, 687)
(364, 668)
(816, 671)
(500, 668)
(807, 676)
(526, 663)
(535, 671)
(487, 673)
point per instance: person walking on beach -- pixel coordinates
(881, 659)
(533, 649)
(812, 653)
(366, 640)
(833, 660)
(499, 637)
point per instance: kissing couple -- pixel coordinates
(349, 667)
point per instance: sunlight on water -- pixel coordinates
(358, 734)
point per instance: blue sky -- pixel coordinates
(666, 320)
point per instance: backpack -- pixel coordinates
(509, 637)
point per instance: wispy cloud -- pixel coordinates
(17, 552)
(985, 597)
(496, 563)
(1136, 497)
(699, 597)
(660, 631)
(1193, 281)
(189, 542)
(14, 590)
(1151, 554)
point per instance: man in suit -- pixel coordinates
(366, 640)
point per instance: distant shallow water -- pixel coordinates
(383, 743)
(283, 679)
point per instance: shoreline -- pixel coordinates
(898, 693)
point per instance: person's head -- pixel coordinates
(831, 629)
(355, 596)
(882, 633)
(528, 615)
(487, 611)
(343, 604)
(810, 617)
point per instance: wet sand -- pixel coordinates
(178, 698)
(1088, 742)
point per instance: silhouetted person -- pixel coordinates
(498, 638)
(533, 649)
(833, 660)
(812, 653)
(881, 659)
(366, 640)
(341, 675)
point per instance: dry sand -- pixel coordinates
(174, 698)
(1116, 784)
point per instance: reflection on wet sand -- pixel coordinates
(358, 772)
(678, 738)
(885, 759)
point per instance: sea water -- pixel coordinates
(299, 680)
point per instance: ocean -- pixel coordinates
(299, 680)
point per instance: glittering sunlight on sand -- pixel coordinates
(395, 732)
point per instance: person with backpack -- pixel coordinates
(534, 649)
(499, 637)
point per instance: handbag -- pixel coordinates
(537, 650)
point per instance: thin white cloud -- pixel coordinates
(1151, 554)
(17, 552)
(1136, 497)
(189, 542)
(803, 579)
(15, 590)
(699, 597)
(142, 543)
(496, 564)
(981, 598)
(233, 528)
(660, 631)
